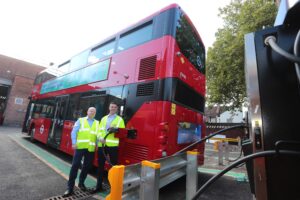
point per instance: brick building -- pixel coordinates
(16, 82)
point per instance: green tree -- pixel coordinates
(225, 59)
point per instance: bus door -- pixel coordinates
(58, 121)
(25, 127)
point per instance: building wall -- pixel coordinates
(18, 67)
(21, 75)
(18, 101)
(234, 133)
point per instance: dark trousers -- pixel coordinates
(112, 152)
(87, 163)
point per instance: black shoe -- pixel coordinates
(68, 193)
(82, 187)
(97, 190)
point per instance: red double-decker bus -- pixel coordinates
(155, 69)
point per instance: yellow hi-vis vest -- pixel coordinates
(111, 141)
(87, 136)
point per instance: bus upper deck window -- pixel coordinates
(101, 51)
(136, 36)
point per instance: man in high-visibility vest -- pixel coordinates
(84, 138)
(112, 120)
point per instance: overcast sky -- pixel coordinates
(44, 31)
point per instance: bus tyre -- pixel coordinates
(32, 134)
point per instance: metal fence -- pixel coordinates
(142, 181)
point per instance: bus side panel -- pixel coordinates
(42, 129)
(66, 141)
(162, 133)
(201, 147)
(142, 148)
(173, 115)
(157, 124)
(122, 63)
(185, 71)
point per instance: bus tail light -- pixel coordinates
(162, 138)
(164, 126)
(161, 152)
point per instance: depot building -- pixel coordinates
(16, 82)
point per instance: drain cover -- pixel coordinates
(78, 195)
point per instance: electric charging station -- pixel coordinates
(274, 95)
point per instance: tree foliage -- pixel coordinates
(225, 60)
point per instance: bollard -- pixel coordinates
(216, 145)
(226, 149)
(115, 177)
(191, 174)
(150, 174)
(220, 153)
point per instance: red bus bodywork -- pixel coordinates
(156, 120)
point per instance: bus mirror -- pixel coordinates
(122, 110)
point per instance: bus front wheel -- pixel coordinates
(32, 130)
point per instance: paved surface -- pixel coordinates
(27, 176)
(23, 176)
(232, 186)
(212, 161)
(226, 188)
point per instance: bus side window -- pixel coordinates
(44, 111)
(101, 51)
(96, 101)
(136, 36)
(50, 111)
(116, 94)
(36, 111)
(73, 112)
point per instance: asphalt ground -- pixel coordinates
(35, 171)
(233, 185)
(28, 172)
(23, 176)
